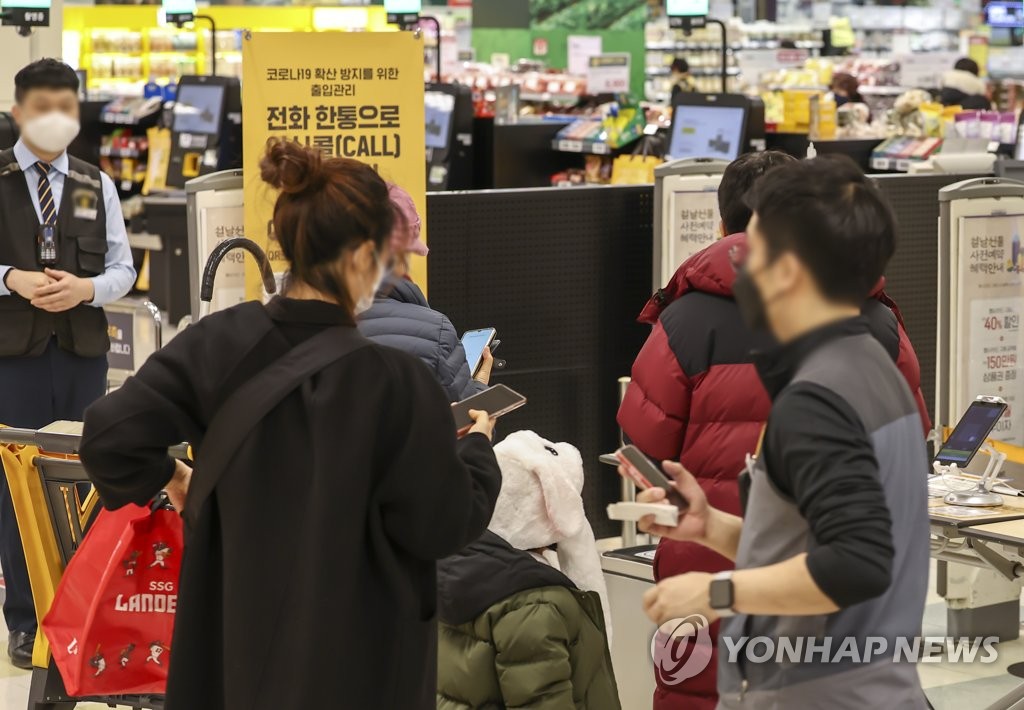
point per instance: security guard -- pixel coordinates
(63, 255)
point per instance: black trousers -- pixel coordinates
(34, 392)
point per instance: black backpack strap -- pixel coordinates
(250, 403)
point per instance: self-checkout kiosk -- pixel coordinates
(206, 131)
(449, 126)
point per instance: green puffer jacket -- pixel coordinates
(516, 633)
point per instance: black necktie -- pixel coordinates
(47, 207)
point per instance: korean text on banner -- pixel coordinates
(990, 339)
(352, 95)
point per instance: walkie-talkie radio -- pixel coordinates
(46, 245)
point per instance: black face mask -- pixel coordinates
(840, 100)
(751, 304)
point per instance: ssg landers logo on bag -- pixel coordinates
(126, 647)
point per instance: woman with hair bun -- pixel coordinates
(309, 575)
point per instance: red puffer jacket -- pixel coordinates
(696, 398)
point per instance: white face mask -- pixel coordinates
(52, 132)
(365, 301)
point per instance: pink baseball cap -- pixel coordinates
(406, 240)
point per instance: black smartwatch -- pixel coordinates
(721, 595)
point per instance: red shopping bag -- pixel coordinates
(112, 617)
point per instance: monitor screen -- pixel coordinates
(707, 132)
(439, 108)
(198, 107)
(1004, 13)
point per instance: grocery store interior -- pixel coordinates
(562, 161)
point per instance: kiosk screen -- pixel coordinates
(707, 132)
(439, 108)
(198, 109)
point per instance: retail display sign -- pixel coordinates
(924, 69)
(403, 7)
(352, 95)
(215, 225)
(693, 222)
(121, 329)
(179, 11)
(687, 8)
(990, 306)
(580, 49)
(608, 73)
(755, 62)
(25, 13)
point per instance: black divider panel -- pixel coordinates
(562, 275)
(912, 275)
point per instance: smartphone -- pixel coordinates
(496, 401)
(971, 431)
(474, 342)
(646, 474)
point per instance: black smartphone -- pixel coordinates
(496, 401)
(971, 431)
(647, 474)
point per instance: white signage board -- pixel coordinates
(608, 73)
(690, 219)
(580, 49)
(755, 62)
(924, 70)
(217, 223)
(989, 301)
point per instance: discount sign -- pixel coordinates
(608, 73)
(992, 301)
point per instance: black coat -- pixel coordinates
(310, 577)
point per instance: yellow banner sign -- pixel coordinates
(352, 95)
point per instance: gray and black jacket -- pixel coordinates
(402, 319)
(840, 477)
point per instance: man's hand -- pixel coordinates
(27, 283)
(678, 597)
(64, 293)
(483, 374)
(177, 487)
(693, 522)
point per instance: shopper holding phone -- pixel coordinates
(832, 548)
(401, 317)
(310, 570)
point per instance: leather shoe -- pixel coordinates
(19, 648)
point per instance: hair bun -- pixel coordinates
(290, 167)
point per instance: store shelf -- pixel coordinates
(131, 153)
(588, 147)
(901, 165)
(549, 98)
(735, 46)
(882, 90)
(695, 71)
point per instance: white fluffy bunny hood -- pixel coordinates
(540, 505)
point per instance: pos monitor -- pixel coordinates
(206, 130)
(449, 136)
(716, 126)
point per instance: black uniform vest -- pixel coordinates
(82, 249)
